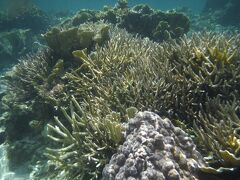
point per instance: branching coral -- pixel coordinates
(33, 89)
(26, 77)
(123, 73)
(105, 83)
(33, 77)
(173, 77)
(177, 78)
(218, 137)
(88, 144)
(204, 66)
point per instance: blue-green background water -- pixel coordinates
(73, 5)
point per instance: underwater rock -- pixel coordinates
(154, 149)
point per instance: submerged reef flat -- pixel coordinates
(108, 98)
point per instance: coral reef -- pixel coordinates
(203, 68)
(87, 35)
(218, 136)
(123, 73)
(154, 149)
(141, 19)
(87, 145)
(24, 154)
(31, 93)
(156, 25)
(109, 83)
(174, 78)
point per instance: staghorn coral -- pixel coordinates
(171, 78)
(32, 76)
(86, 146)
(31, 93)
(103, 84)
(217, 136)
(123, 73)
(175, 78)
(202, 68)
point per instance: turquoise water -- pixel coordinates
(73, 5)
(195, 5)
